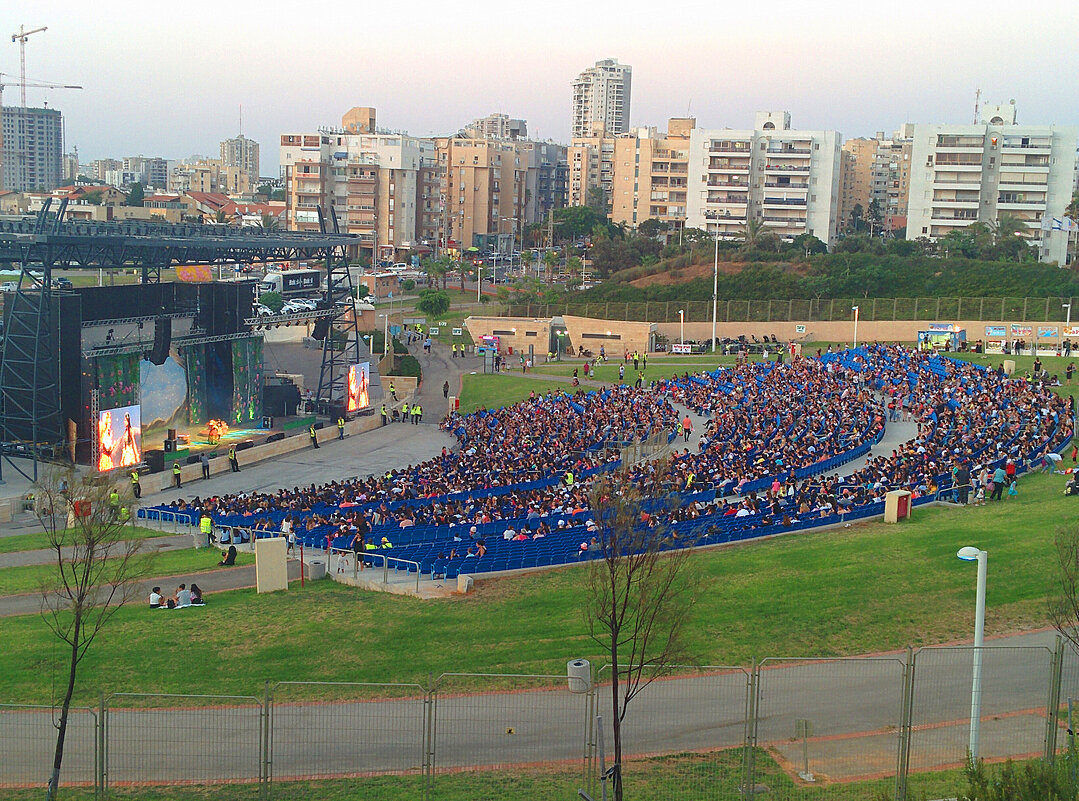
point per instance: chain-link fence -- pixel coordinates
(1018, 310)
(791, 729)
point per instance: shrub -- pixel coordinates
(407, 366)
(408, 285)
(272, 300)
(434, 302)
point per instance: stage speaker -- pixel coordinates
(267, 421)
(155, 460)
(243, 446)
(162, 340)
(170, 446)
(171, 434)
(321, 329)
(280, 435)
(194, 459)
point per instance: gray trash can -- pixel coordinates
(316, 569)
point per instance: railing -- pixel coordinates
(386, 559)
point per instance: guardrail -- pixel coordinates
(386, 559)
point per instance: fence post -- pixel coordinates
(99, 747)
(1025, 309)
(905, 724)
(265, 749)
(430, 703)
(790, 311)
(937, 315)
(1056, 672)
(749, 781)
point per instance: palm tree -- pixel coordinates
(1072, 212)
(1006, 225)
(268, 222)
(749, 233)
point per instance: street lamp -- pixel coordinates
(682, 326)
(972, 554)
(1067, 324)
(385, 334)
(855, 310)
(715, 290)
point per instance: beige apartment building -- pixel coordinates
(210, 175)
(855, 178)
(876, 169)
(651, 174)
(489, 193)
(591, 165)
(243, 153)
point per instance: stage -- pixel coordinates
(193, 440)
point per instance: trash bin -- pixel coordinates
(316, 569)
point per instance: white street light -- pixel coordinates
(385, 334)
(855, 310)
(1067, 324)
(972, 554)
(682, 326)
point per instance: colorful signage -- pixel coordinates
(194, 273)
(996, 330)
(1022, 330)
(1048, 332)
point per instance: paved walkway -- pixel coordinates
(46, 556)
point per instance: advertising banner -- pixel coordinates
(1048, 332)
(194, 273)
(996, 330)
(681, 347)
(1022, 330)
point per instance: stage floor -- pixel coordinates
(195, 438)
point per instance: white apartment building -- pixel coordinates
(962, 174)
(787, 179)
(601, 97)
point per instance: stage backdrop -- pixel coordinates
(195, 361)
(117, 380)
(246, 380)
(164, 393)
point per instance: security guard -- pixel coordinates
(206, 527)
(417, 413)
(393, 391)
(114, 503)
(124, 515)
(176, 474)
(404, 412)
(136, 487)
(453, 348)
(569, 478)
(233, 460)
(689, 479)
(385, 415)
(340, 427)
(314, 436)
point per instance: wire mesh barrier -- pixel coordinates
(182, 739)
(826, 722)
(1018, 310)
(354, 730)
(529, 721)
(696, 716)
(788, 729)
(1017, 691)
(28, 744)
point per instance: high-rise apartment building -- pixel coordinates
(591, 169)
(209, 175)
(601, 96)
(876, 169)
(243, 153)
(496, 126)
(33, 149)
(650, 178)
(962, 174)
(786, 179)
(149, 171)
(381, 186)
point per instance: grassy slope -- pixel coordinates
(38, 539)
(847, 591)
(492, 391)
(16, 580)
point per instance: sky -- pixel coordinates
(168, 79)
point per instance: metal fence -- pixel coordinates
(795, 729)
(1018, 310)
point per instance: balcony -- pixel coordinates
(952, 203)
(948, 180)
(784, 201)
(795, 187)
(1020, 204)
(790, 221)
(712, 214)
(958, 221)
(730, 184)
(728, 167)
(745, 150)
(784, 168)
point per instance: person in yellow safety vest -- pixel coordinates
(206, 527)
(370, 546)
(386, 543)
(569, 478)
(114, 503)
(176, 474)
(404, 412)
(340, 428)
(385, 415)
(453, 348)
(416, 412)
(314, 436)
(136, 487)
(125, 515)
(689, 480)
(233, 461)
(393, 391)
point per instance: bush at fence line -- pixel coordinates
(1035, 780)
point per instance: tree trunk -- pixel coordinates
(616, 724)
(61, 728)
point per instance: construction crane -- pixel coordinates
(21, 36)
(24, 83)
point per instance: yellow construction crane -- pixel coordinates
(24, 83)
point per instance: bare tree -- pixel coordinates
(640, 594)
(1064, 595)
(97, 568)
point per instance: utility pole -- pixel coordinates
(21, 36)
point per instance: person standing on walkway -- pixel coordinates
(999, 477)
(385, 415)
(136, 487)
(687, 428)
(204, 460)
(393, 391)
(314, 436)
(446, 389)
(340, 428)
(404, 412)
(176, 474)
(233, 461)
(417, 414)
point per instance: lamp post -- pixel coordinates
(385, 334)
(715, 290)
(1067, 324)
(682, 326)
(855, 310)
(972, 554)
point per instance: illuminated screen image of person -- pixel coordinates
(358, 387)
(119, 438)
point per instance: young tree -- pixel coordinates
(640, 594)
(135, 195)
(96, 570)
(1064, 597)
(434, 302)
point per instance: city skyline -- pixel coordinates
(166, 96)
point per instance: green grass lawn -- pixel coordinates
(872, 587)
(35, 540)
(488, 391)
(713, 776)
(657, 368)
(18, 580)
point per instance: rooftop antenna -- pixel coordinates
(977, 102)
(21, 36)
(241, 119)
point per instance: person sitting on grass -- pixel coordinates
(155, 598)
(196, 596)
(182, 597)
(230, 557)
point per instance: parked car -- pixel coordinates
(62, 283)
(9, 286)
(262, 311)
(305, 303)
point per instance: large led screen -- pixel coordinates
(359, 386)
(119, 438)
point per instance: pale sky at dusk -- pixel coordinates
(167, 79)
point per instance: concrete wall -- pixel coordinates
(513, 332)
(616, 336)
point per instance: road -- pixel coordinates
(852, 707)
